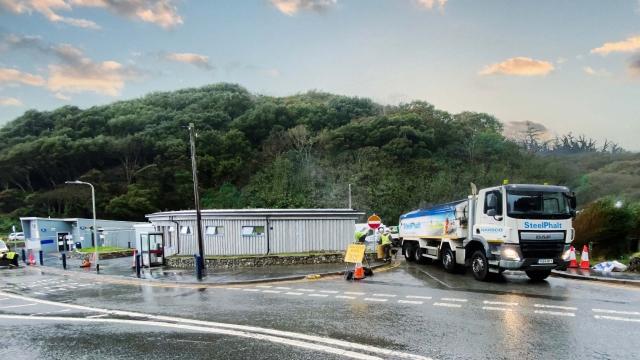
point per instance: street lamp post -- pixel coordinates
(196, 195)
(93, 203)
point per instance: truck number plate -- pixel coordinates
(545, 261)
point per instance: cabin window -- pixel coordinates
(214, 230)
(252, 230)
(185, 230)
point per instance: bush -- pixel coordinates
(607, 227)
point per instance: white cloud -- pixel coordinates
(290, 7)
(198, 60)
(61, 96)
(10, 101)
(159, 12)
(628, 45)
(593, 72)
(430, 4)
(561, 60)
(9, 76)
(519, 66)
(517, 130)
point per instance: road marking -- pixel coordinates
(329, 291)
(283, 288)
(556, 307)
(293, 293)
(617, 318)
(612, 312)
(495, 308)
(454, 299)
(272, 291)
(253, 290)
(2, 299)
(233, 288)
(213, 330)
(375, 299)
(500, 303)
(264, 286)
(555, 313)
(345, 297)
(415, 302)
(51, 312)
(385, 295)
(447, 305)
(353, 293)
(306, 290)
(418, 297)
(97, 316)
(17, 306)
(319, 295)
(38, 293)
(387, 353)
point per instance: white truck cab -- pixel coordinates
(508, 227)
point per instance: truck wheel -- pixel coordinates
(449, 260)
(480, 266)
(417, 255)
(409, 251)
(537, 275)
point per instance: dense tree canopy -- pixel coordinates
(261, 151)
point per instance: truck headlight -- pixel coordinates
(565, 253)
(510, 253)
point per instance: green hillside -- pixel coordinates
(261, 151)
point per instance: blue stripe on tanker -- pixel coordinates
(439, 209)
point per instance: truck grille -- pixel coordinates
(541, 249)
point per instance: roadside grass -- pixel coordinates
(102, 249)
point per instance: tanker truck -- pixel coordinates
(508, 227)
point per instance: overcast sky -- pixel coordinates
(570, 65)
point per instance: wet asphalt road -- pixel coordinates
(413, 309)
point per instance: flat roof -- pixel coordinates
(258, 212)
(75, 219)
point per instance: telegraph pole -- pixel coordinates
(196, 193)
(350, 197)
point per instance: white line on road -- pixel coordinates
(213, 330)
(353, 293)
(454, 299)
(17, 306)
(318, 295)
(375, 299)
(305, 290)
(329, 291)
(345, 297)
(617, 318)
(293, 293)
(387, 353)
(555, 307)
(415, 302)
(495, 308)
(500, 303)
(447, 305)
(233, 288)
(385, 295)
(418, 297)
(1, 299)
(555, 313)
(283, 288)
(253, 290)
(97, 316)
(272, 291)
(51, 312)
(616, 312)
(264, 286)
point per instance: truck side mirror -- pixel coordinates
(491, 212)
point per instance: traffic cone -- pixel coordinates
(358, 274)
(573, 263)
(584, 258)
(133, 261)
(32, 259)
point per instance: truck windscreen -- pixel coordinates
(523, 204)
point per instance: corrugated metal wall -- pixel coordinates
(285, 236)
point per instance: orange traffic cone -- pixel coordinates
(32, 259)
(358, 274)
(584, 258)
(573, 263)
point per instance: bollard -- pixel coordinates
(129, 245)
(24, 256)
(41, 259)
(138, 265)
(64, 261)
(97, 268)
(198, 267)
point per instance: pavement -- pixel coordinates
(409, 312)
